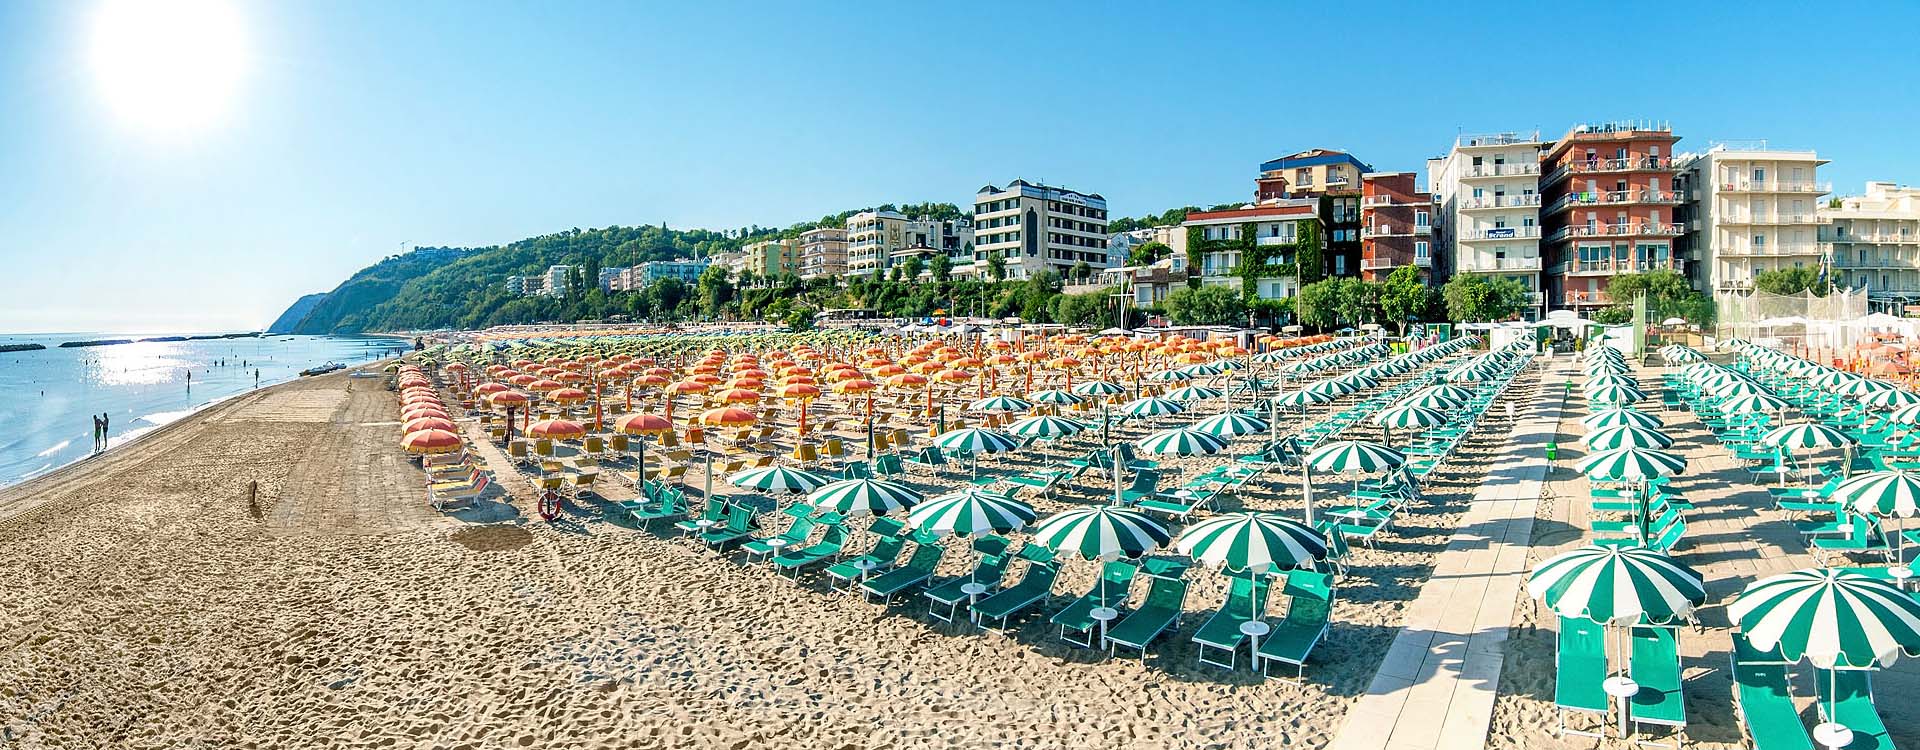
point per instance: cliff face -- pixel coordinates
(295, 313)
(345, 309)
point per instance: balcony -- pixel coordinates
(1503, 170)
(1616, 198)
(1588, 299)
(1616, 267)
(1388, 230)
(1500, 233)
(1423, 262)
(1536, 299)
(1885, 238)
(1527, 200)
(1765, 219)
(1380, 264)
(1497, 265)
(1773, 251)
(1274, 241)
(1776, 186)
(1376, 201)
(1638, 229)
(1605, 166)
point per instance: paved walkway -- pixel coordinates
(1436, 686)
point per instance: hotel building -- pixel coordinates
(1748, 209)
(769, 258)
(1608, 190)
(1486, 192)
(1332, 177)
(1875, 241)
(1276, 222)
(872, 236)
(1396, 225)
(823, 252)
(1038, 228)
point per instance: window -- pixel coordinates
(1339, 265)
(1759, 174)
(1420, 218)
(1420, 250)
(1759, 242)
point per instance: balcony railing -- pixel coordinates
(1636, 229)
(1765, 219)
(1536, 299)
(1493, 265)
(1602, 166)
(1612, 267)
(1375, 201)
(1526, 200)
(1501, 233)
(1380, 264)
(1504, 170)
(1389, 230)
(1423, 261)
(1884, 238)
(1615, 198)
(1589, 298)
(1776, 186)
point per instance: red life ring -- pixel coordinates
(549, 505)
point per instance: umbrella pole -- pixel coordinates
(1306, 490)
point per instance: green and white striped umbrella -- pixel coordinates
(1409, 417)
(1435, 401)
(1829, 617)
(1864, 387)
(1345, 456)
(1335, 388)
(1619, 416)
(859, 497)
(1906, 415)
(1630, 463)
(1358, 381)
(1193, 393)
(1616, 394)
(1101, 533)
(1168, 376)
(1303, 398)
(1232, 424)
(1055, 397)
(1881, 493)
(1617, 586)
(779, 479)
(1758, 403)
(1890, 399)
(1609, 379)
(971, 513)
(1000, 404)
(1182, 441)
(1099, 388)
(1470, 374)
(1252, 542)
(1806, 436)
(1046, 427)
(1626, 436)
(1733, 388)
(1606, 367)
(1448, 391)
(1204, 369)
(975, 440)
(1152, 407)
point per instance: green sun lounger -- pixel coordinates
(988, 572)
(1763, 699)
(885, 551)
(739, 525)
(1145, 484)
(1034, 587)
(1116, 579)
(800, 527)
(716, 512)
(1656, 667)
(928, 458)
(670, 505)
(1846, 696)
(918, 570)
(1580, 666)
(1246, 600)
(830, 544)
(1166, 596)
(1310, 598)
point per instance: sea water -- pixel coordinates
(48, 395)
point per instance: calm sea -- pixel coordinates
(46, 396)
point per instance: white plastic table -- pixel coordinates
(1103, 615)
(1255, 630)
(973, 590)
(773, 547)
(705, 524)
(1833, 735)
(1622, 688)
(865, 567)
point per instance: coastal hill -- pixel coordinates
(295, 313)
(443, 287)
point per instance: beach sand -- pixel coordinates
(150, 604)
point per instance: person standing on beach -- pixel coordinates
(96, 433)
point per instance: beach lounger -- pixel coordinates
(918, 570)
(716, 511)
(1309, 608)
(1846, 696)
(1034, 587)
(1166, 596)
(1862, 534)
(1116, 578)
(1145, 485)
(1763, 699)
(1246, 601)
(928, 458)
(888, 465)
(441, 499)
(671, 504)
(1656, 667)
(885, 551)
(800, 527)
(1580, 666)
(797, 560)
(739, 525)
(988, 572)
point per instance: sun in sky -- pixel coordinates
(168, 65)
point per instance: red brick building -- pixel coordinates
(1608, 192)
(1396, 225)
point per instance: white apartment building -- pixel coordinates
(823, 252)
(557, 280)
(1748, 208)
(1875, 241)
(1486, 192)
(1037, 228)
(872, 236)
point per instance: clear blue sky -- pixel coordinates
(357, 126)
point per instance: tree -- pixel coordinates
(1082, 271)
(1404, 297)
(1668, 294)
(1149, 253)
(666, 296)
(1272, 312)
(997, 266)
(942, 268)
(716, 290)
(799, 319)
(1791, 281)
(1358, 301)
(911, 267)
(1209, 305)
(1318, 304)
(1472, 297)
(1308, 253)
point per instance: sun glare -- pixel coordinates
(168, 64)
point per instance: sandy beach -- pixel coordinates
(161, 609)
